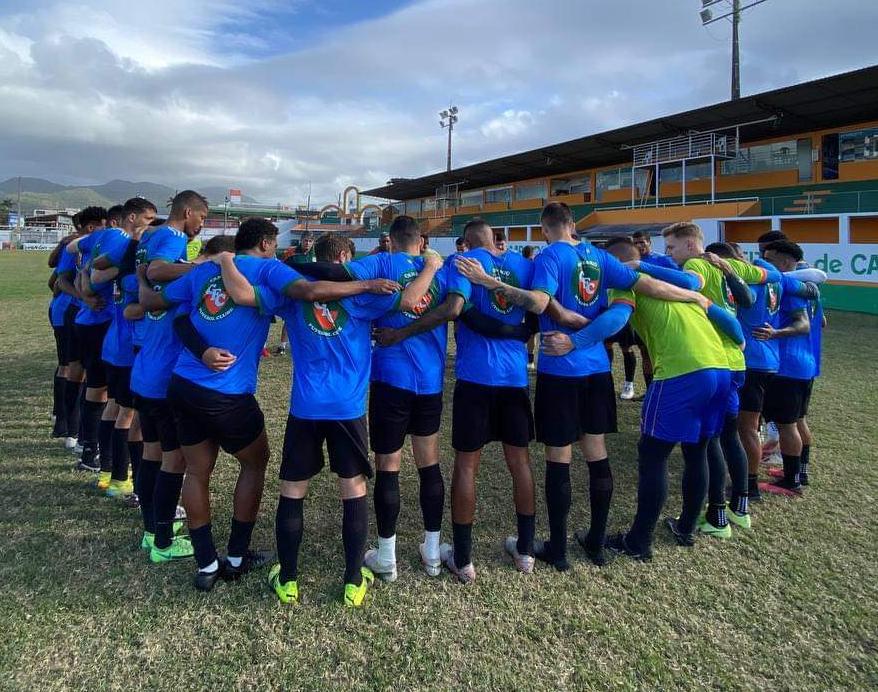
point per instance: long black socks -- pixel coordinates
(600, 494)
(167, 495)
(558, 496)
(288, 529)
(354, 531)
(386, 496)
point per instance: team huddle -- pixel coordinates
(159, 352)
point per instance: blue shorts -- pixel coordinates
(737, 381)
(687, 408)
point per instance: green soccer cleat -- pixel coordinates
(180, 548)
(288, 592)
(354, 595)
(146, 543)
(742, 521)
(708, 529)
(120, 488)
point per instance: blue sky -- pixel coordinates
(271, 96)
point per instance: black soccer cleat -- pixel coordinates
(543, 552)
(687, 540)
(252, 560)
(205, 581)
(596, 554)
(618, 544)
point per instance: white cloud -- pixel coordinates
(510, 123)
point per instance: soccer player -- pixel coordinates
(383, 244)
(405, 398)
(161, 254)
(331, 349)
(500, 240)
(786, 397)
(460, 247)
(58, 308)
(684, 404)
(575, 401)
(643, 243)
(304, 252)
(719, 280)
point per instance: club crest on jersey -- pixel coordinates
(498, 301)
(215, 302)
(428, 300)
(586, 282)
(326, 319)
(771, 298)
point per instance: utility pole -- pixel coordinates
(447, 119)
(707, 17)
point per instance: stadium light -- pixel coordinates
(707, 17)
(448, 118)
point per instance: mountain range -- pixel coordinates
(37, 193)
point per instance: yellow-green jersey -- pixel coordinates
(193, 248)
(678, 336)
(714, 286)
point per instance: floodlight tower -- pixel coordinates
(447, 118)
(707, 17)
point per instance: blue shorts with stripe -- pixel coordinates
(737, 381)
(687, 408)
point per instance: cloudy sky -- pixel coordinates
(267, 95)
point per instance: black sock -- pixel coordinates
(386, 496)
(716, 472)
(526, 523)
(58, 403)
(736, 462)
(558, 507)
(791, 468)
(167, 495)
(804, 459)
(120, 454)
(600, 494)
(647, 377)
(629, 363)
(81, 434)
(105, 443)
(289, 527)
(146, 475)
(354, 532)
(432, 496)
(71, 407)
(135, 454)
(91, 418)
(462, 535)
(652, 490)
(202, 544)
(716, 514)
(694, 484)
(239, 537)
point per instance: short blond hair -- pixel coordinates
(683, 229)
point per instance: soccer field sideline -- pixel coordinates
(792, 604)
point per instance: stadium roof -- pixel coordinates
(835, 101)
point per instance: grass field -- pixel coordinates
(791, 605)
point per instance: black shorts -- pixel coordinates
(752, 394)
(807, 400)
(395, 413)
(625, 337)
(234, 421)
(303, 448)
(566, 408)
(91, 342)
(483, 414)
(72, 349)
(786, 400)
(119, 384)
(60, 345)
(157, 422)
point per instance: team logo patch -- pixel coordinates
(326, 319)
(728, 298)
(771, 298)
(215, 302)
(498, 301)
(586, 282)
(428, 300)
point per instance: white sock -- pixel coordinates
(387, 549)
(212, 567)
(234, 561)
(431, 542)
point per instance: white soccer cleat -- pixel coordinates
(432, 563)
(627, 393)
(69, 443)
(523, 563)
(77, 448)
(385, 571)
(466, 574)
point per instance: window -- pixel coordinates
(430, 204)
(619, 178)
(858, 146)
(531, 191)
(694, 171)
(571, 186)
(412, 207)
(471, 198)
(499, 194)
(762, 158)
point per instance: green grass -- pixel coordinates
(791, 605)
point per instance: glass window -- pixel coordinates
(694, 171)
(412, 207)
(530, 191)
(499, 194)
(858, 146)
(777, 156)
(430, 204)
(571, 186)
(619, 178)
(471, 198)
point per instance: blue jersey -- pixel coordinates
(416, 364)
(815, 314)
(758, 354)
(159, 346)
(222, 323)
(58, 305)
(492, 362)
(330, 345)
(67, 266)
(660, 260)
(89, 249)
(118, 346)
(796, 357)
(578, 277)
